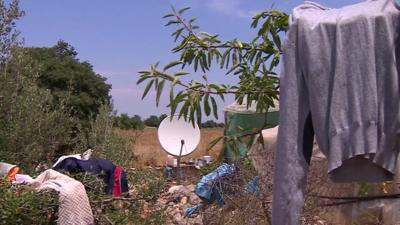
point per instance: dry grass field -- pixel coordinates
(148, 150)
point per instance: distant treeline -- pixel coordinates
(135, 122)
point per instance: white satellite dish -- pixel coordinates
(177, 136)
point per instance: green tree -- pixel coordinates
(125, 122)
(162, 116)
(253, 62)
(70, 81)
(211, 124)
(9, 35)
(137, 123)
(47, 96)
(152, 121)
(30, 129)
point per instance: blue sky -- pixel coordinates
(120, 38)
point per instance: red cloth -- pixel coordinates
(117, 182)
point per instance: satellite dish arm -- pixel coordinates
(179, 161)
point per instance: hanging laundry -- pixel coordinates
(340, 81)
(114, 177)
(8, 171)
(74, 207)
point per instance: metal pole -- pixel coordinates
(179, 162)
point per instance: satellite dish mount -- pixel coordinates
(179, 162)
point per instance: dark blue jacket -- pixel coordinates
(103, 167)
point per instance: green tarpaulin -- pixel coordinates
(241, 120)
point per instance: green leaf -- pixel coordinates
(141, 79)
(234, 67)
(184, 109)
(214, 106)
(209, 58)
(196, 63)
(277, 40)
(207, 34)
(204, 77)
(144, 72)
(239, 44)
(180, 73)
(159, 91)
(146, 90)
(207, 109)
(177, 33)
(171, 95)
(180, 96)
(171, 22)
(214, 86)
(192, 20)
(256, 18)
(172, 64)
(234, 59)
(198, 113)
(168, 15)
(227, 59)
(203, 62)
(183, 10)
(222, 96)
(223, 58)
(257, 62)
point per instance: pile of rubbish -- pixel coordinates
(73, 202)
(187, 204)
(176, 201)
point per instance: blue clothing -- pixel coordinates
(253, 185)
(102, 167)
(207, 187)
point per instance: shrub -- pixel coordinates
(125, 122)
(23, 205)
(30, 130)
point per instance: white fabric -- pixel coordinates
(23, 179)
(74, 206)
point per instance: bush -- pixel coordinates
(211, 124)
(130, 208)
(125, 122)
(106, 142)
(23, 205)
(30, 130)
(154, 121)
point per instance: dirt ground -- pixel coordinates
(148, 150)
